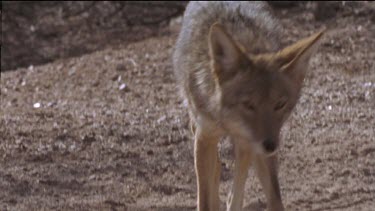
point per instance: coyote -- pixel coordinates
(238, 83)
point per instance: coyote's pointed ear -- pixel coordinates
(226, 56)
(294, 59)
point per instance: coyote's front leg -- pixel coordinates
(267, 168)
(207, 167)
(241, 168)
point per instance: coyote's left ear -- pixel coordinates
(226, 56)
(294, 59)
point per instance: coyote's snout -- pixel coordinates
(238, 83)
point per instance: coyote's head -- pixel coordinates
(257, 92)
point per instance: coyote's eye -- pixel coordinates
(248, 106)
(280, 105)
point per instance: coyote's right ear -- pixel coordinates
(294, 59)
(226, 56)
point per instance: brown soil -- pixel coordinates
(106, 131)
(35, 33)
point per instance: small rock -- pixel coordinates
(36, 105)
(49, 104)
(88, 139)
(169, 152)
(345, 172)
(366, 172)
(71, 72)
(161, 119)
(150, 152)
(131, 62)
(123, 86)
(361, 115)
(367, 84)
(334, 196)
(114, 78)
(318, 160)
(121, 67)
(96, 83)
(353, 153)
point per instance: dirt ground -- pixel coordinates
(106, 131)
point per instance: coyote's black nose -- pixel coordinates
(269, 145)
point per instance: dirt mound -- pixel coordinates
(35, 33)
(106, 131)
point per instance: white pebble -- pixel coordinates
(36, 105)
(122, 86)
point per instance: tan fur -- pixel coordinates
(238, 82)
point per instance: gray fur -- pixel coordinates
(249, 23)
